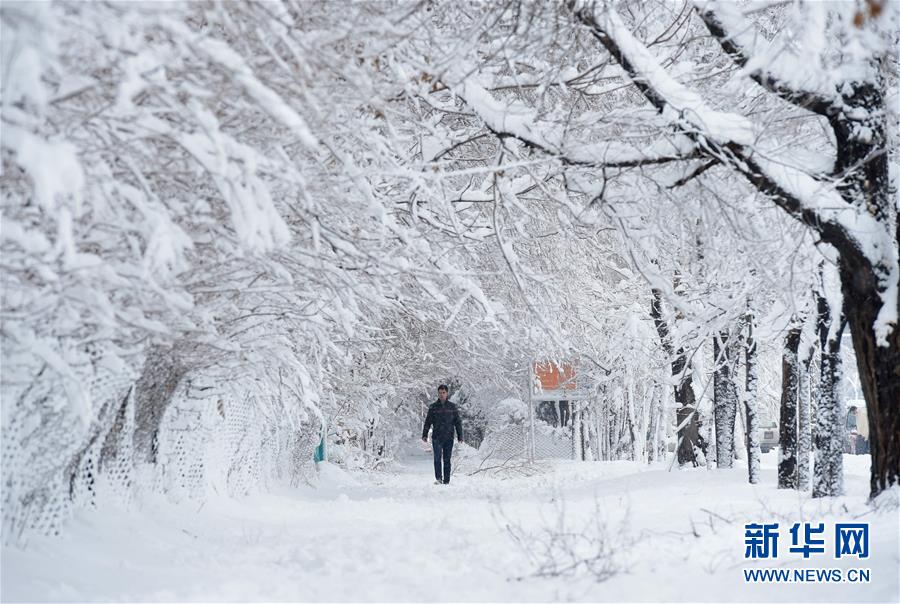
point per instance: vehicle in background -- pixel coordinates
(856, 423)
(768, 436)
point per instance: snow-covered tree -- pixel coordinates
(836, 74)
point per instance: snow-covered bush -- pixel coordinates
(509, 411)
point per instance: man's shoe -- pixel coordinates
(438, 482)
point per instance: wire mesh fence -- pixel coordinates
(533, 440)
(210, 439)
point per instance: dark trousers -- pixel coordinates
(442, 451)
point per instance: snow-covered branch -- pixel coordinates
(515, 120)
(771, 66)
(731, 138)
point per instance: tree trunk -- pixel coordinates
(804, 430)
(577, 432)
(862, 164)
(750, 405)
(634, 429)
(685, 405)
(879, 374)
(663, 428)
(725, 399)
(787, 452)
(828, 438)
(650, 440)
(655, 418)
(584, 435)
(688, 435)
(603, 430)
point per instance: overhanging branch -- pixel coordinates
(798, 193)
(514, 120)
(729, 39)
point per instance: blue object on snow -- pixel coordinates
(319, 454)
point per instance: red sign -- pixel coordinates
(553, 377)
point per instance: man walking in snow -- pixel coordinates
(443, 418)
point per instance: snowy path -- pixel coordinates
(397, 537)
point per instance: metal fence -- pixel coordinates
(541, 436)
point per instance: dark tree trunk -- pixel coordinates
(689, 433)
(725, 399)
(862, 167)
(750, 405)
(879, 374)
(583, 437)
(685, 406)
(787, 456)
(828, 436)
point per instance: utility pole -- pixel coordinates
(530, 378)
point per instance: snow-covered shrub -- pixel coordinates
(509, 411)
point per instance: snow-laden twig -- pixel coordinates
(516, 120)
(565, 547)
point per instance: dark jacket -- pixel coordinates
(444, 417)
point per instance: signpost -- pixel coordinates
(552, 381)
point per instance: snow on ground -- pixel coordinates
(395, 536)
